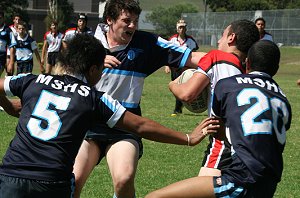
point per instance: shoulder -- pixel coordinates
(144, 35)
(174, 36)
(70, 30)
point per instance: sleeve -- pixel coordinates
(13, 41)
(112, 109)
(13, 85)
(33, 45)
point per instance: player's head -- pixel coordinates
(239, 35)
(263, 56)
(16, 19)
(260, 24)
(53, 26)
(113, 9)
(122, 17)
(84, 55)
(82, 21)
(246, 34)
(181, 26)
(22, 28)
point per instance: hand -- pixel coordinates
(111, 62)
(167, 69)
(207, 127)
(12, 107)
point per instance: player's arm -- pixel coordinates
(10, 66)
(189, 91)
(45, 47)
(13, 106)
(193, 59)
(152, 130)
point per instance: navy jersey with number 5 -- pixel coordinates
(56, 113)
(257, 115)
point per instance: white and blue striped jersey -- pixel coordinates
(142, 56)
(57, 111)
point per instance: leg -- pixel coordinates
(193, 187)
(122, 158)
(86, 160)
(48, 68)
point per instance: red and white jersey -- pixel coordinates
(189, 41)
(217, 65)
(53, 40)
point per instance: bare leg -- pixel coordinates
(196, 187)
(85, 162)
(122, 159)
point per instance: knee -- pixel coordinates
(124, 181)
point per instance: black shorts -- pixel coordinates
(24, 67)
(51, 59)
(105, 136)
(13, 187)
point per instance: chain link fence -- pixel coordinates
(207, 27)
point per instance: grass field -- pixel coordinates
(163, 164)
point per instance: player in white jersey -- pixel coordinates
(52, 44)
(180, 39)
(81, 28)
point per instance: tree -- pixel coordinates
(164, 19)
(11, 7)
(60, 11)
(242, 5)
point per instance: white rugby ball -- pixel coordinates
(200, 104)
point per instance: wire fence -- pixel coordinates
(207, 27)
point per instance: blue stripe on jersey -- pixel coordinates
(166, 44)
(124, 72)
(185, 57)
(108, 101)
(129, 105)
(226, 189)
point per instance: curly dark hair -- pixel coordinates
(82, 52)
(113, 8)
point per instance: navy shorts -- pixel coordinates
(13, 187)
(105, 136)
(24, 67)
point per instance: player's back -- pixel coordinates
(258, 114)
(56, 113)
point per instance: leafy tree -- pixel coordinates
(164, 19)
(242, 5)
(11, 7)
(62, 13)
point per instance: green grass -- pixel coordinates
(163, 164)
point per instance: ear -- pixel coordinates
(231, 38)
(109, 21)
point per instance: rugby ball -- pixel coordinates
(200, 104)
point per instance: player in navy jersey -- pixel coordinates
(7, 43)
(256, 115)
(227, 61)
(261, 24)
(57, 111)
(132, 55)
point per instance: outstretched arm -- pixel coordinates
(13, 106)
(152, 130)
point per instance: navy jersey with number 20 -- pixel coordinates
(257, 115)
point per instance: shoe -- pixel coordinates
(175, 113)
(1, 108)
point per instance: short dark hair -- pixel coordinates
(260, 19)
(264, 56)
(113, 8)
(82, 52)
(246, 34)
